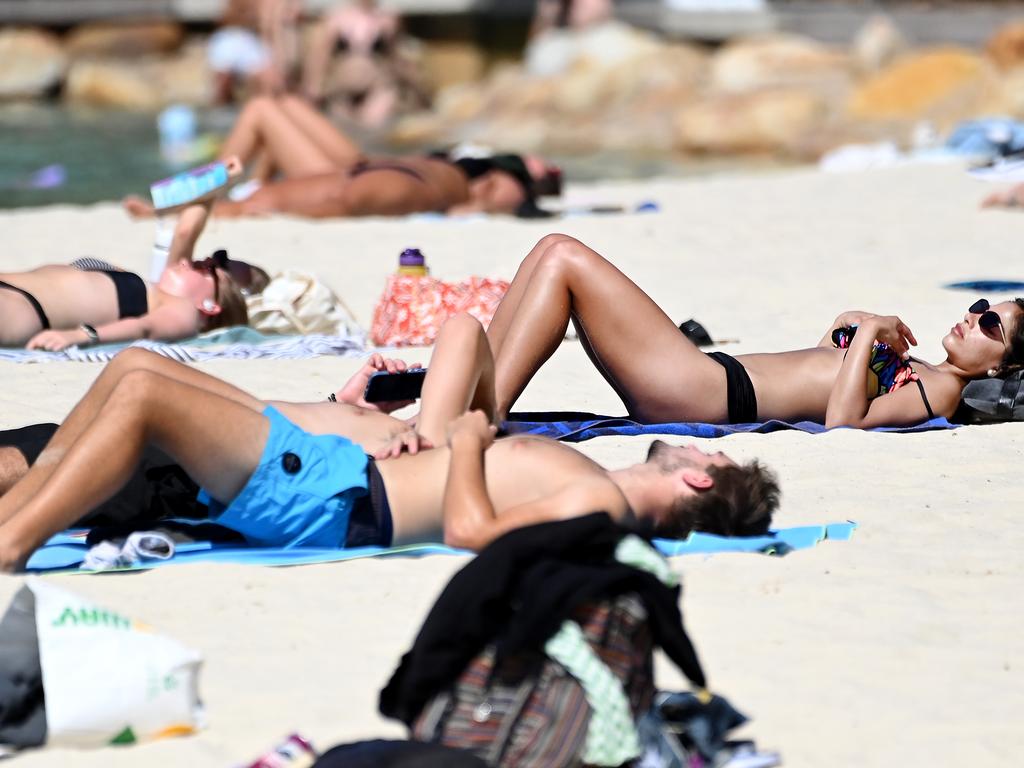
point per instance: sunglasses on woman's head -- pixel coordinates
(988, 320)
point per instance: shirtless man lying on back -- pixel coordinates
(281, 475)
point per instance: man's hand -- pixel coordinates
(354, 389)
(406, 441)
(55, 341)
(473, 425)
(890, 330)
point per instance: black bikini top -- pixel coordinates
(381, 45)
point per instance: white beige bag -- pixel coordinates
(296, 302)
(108, 678)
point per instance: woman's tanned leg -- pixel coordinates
(264, 126)
(332, 142)
(218, 442)
(502, 319)
(460, 378)
(656, 371)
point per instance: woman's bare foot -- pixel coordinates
(138, 208)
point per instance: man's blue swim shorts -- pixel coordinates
(301, 493)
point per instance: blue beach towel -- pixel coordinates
(65, 551)
(574, 427)
(987, 285)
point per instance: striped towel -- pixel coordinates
(276, 348)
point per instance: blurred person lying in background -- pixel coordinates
(324, 174)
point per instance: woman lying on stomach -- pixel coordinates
(89, 302)
(861, 379)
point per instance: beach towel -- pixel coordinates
(66, 551)
(987, 285)
(573, 427)
(238, 343)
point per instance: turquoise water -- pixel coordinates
(91, 155)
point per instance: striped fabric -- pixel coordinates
(532, 712)
(612, 739)
(90, 264)
(286, 348)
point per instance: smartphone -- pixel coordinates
(188, 187)
(843, 337)
(388, 387)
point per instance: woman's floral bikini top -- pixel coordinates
(887, 371)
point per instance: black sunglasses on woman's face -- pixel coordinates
(210, 265)
(989, 320)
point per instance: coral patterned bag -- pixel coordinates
(413, 308)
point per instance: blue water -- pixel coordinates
(104, 155)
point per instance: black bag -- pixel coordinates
(994, 399)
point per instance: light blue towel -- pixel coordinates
(65, 551)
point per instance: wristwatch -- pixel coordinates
(90, 332)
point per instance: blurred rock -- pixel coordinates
(144, 84)
(1006, 46)
(419, 129)
(460, 102)
(31, 63)
(124, 40)
(186, 77)
(111, 84)
(667, 68)
(450, 63)
(608, 44)
(877, 43)
(780, 61)
(765, 121)
(939, 84)
(1012, 93)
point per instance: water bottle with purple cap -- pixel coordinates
(411, 262)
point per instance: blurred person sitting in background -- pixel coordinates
(255, 47)
(354, 66)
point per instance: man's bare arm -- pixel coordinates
(470, 521)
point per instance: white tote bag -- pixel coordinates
(108, 678)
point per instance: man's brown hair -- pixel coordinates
(739, 503)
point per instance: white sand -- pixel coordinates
(901, 647)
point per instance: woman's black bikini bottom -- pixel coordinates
(31, 300)
(740, 390)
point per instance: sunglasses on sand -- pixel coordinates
(989, 321)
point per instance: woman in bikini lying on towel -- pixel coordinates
(627, 337)
(307, 167)
(90, 301)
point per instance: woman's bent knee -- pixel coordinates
(566, 254)
(462, 324)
